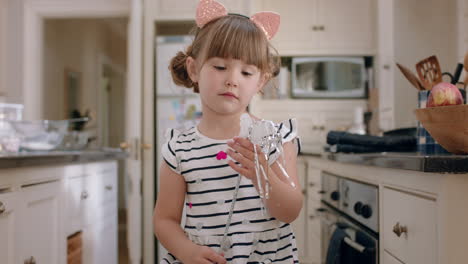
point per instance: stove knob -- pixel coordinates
(358, 208)
(335, 195)
(366, 211)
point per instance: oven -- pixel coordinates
(349, 221)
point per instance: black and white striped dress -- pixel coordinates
(254, 236)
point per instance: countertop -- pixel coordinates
(26, 159)
(405, 161)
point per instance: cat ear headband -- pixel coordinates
(208, 10)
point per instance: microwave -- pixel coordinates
(330, 77)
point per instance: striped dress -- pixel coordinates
(254, 236)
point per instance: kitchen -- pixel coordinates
(387, 31)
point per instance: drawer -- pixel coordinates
(415, 214)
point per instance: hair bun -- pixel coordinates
(178, 69)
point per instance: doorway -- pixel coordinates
(85, 65)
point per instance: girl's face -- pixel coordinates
(226, 86)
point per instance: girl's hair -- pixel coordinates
(232, 36)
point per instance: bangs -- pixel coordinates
(238, 38)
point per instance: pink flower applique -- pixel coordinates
(221, 155)
(190, 205)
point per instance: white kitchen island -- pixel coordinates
(424, 195)
(47, 197)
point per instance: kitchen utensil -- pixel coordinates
(457, 73)
(448, 125)
(465, 63)
(456, 76)
(42, 135)
(75, 140)
(11, 111)
(429, 72)
(411, 77)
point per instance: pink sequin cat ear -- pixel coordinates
(268, 21)
(208, 10)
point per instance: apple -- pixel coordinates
(444, 94)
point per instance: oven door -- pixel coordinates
(344, 241)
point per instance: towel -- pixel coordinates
(350, 255)
(335, 245)
(355, 143)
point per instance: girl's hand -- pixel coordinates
(245, 155)
(204, 255)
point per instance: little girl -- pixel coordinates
(209, 169)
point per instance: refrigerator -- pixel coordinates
(176, 107)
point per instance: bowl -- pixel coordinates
(448, 125)
(40, 135)
(75, 140)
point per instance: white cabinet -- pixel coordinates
(41, 206)
(307, 226)
(91, 207)
(185, 9)
(310, 27)
(8, 225)
(76, 198)
(40, 229)
(409, 226)
(100, 242)
(431, 206)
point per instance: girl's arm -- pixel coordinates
(284, 202)
(167, 217)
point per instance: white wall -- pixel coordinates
(421, 28)
(462, 28)
(3, 27)
(11, 22)
(463, 32)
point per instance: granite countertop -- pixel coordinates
(40, 158)
(406, 161)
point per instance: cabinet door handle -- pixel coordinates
(399, 229)
(109, 187)
(321, 192)
(2, 208)
(146, 146)
(311, 184)
(314, 28)
(321, 28)
(124, 145)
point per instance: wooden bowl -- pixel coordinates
(448, 125)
